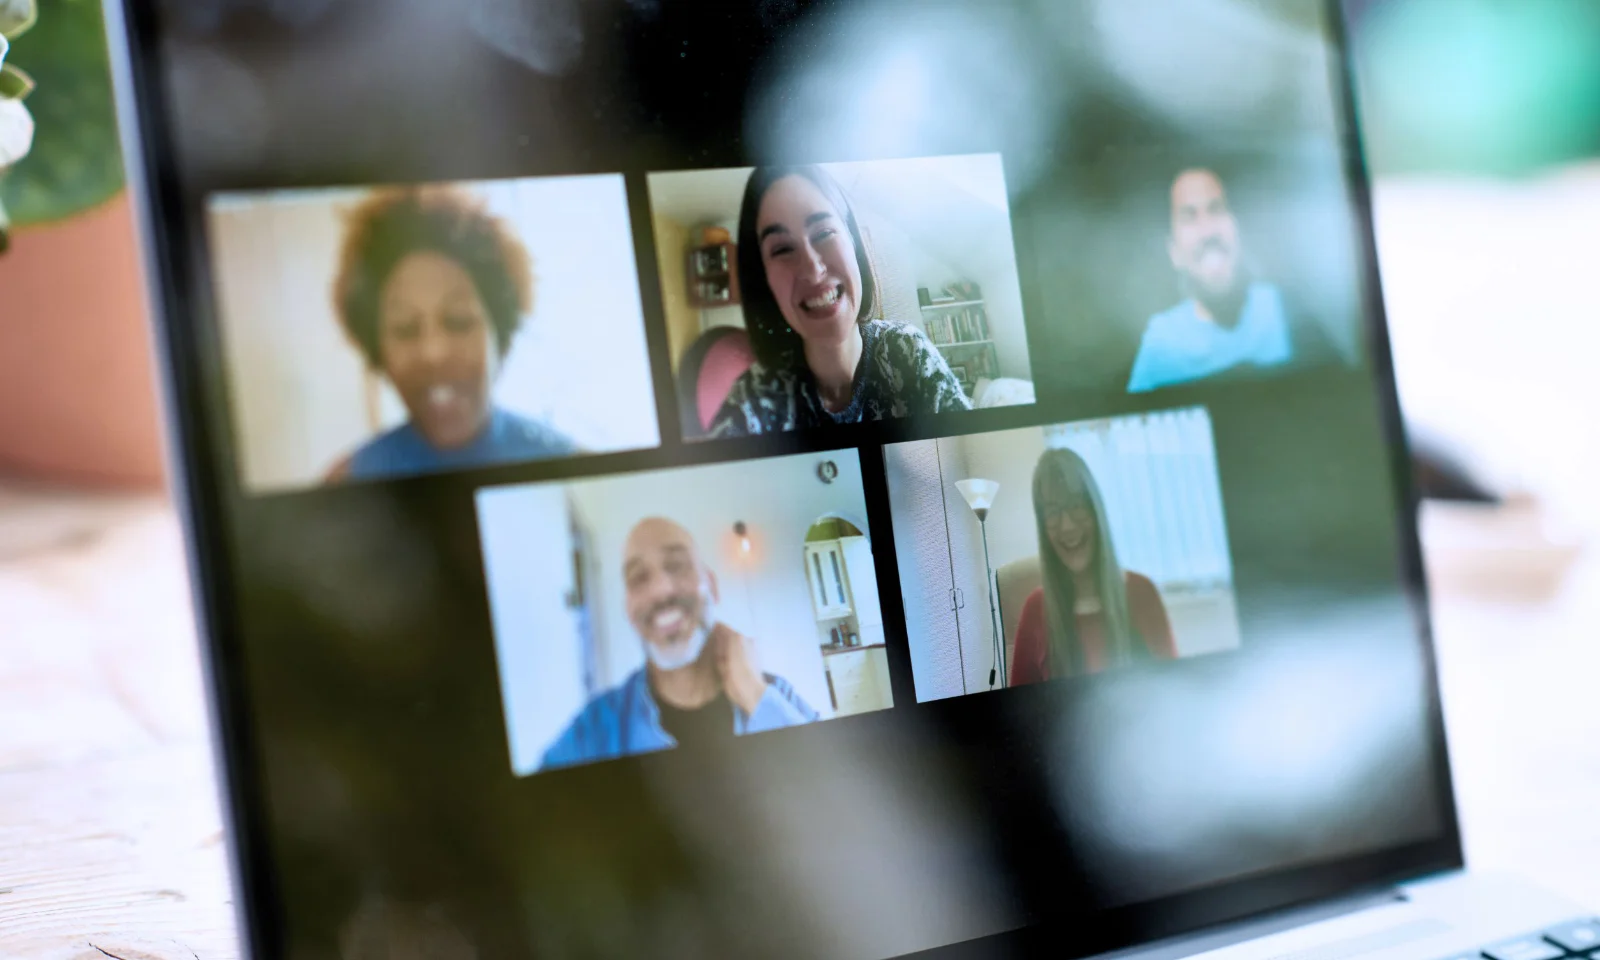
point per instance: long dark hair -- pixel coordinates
(776, 345)
(1072, 475)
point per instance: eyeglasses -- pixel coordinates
(1078, 513)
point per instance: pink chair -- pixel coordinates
(706, 373)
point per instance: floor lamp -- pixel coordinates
(979, 495)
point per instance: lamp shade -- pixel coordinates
(979, 495)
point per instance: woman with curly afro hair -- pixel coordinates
(432, 289)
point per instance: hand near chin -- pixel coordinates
(736, 667)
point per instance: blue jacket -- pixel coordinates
(625, 720)
(1179, 346)
(505, 437)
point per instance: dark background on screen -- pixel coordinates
(355, 623)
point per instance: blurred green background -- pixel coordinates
(1502, 87)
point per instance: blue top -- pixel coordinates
(625, 720)
(1179, 345)
(506, 437)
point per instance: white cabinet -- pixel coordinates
(825, 570)
(859, 680)
(844, 583)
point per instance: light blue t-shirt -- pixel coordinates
(625, 720)
(505, 438)
(1180, 346)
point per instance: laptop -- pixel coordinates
(798, 478)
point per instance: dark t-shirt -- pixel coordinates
(709, 723)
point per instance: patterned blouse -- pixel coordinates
(901, 374)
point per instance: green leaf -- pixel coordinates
(15, 84)
(16, 16)
(75, 163)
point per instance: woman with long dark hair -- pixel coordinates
(1090, 614)
(810, 300)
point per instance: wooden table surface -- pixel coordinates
(110, 842)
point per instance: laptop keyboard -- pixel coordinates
(1574, 940)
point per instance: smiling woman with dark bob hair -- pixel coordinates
(431, 290)
(810, 295)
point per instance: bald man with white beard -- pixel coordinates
(700, 682)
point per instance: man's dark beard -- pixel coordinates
(1225, 306)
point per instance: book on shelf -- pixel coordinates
(970, 325)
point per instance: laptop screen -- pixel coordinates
(787, 477)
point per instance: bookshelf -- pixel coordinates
(959, 327)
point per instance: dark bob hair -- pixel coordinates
(776, 345)
(392, 224)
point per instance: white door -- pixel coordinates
(862, 578)
(527, 548)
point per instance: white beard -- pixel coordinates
(684, 653)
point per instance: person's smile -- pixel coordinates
(824, 302)
(1072, 541)
(668, 620)
(672, 621)
(448, 399)
(438, 350)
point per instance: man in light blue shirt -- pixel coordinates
(699, 684)
(1228, 321)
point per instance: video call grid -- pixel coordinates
(870, 438)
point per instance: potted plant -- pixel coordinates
(76, 387)
(16, 123)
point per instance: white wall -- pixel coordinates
(526, 546)
(951, 219)
(1007, 457)
(937, 219)
(765, 596)
(580, 359)
(299, 388)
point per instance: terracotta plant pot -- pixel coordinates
(77, 384)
